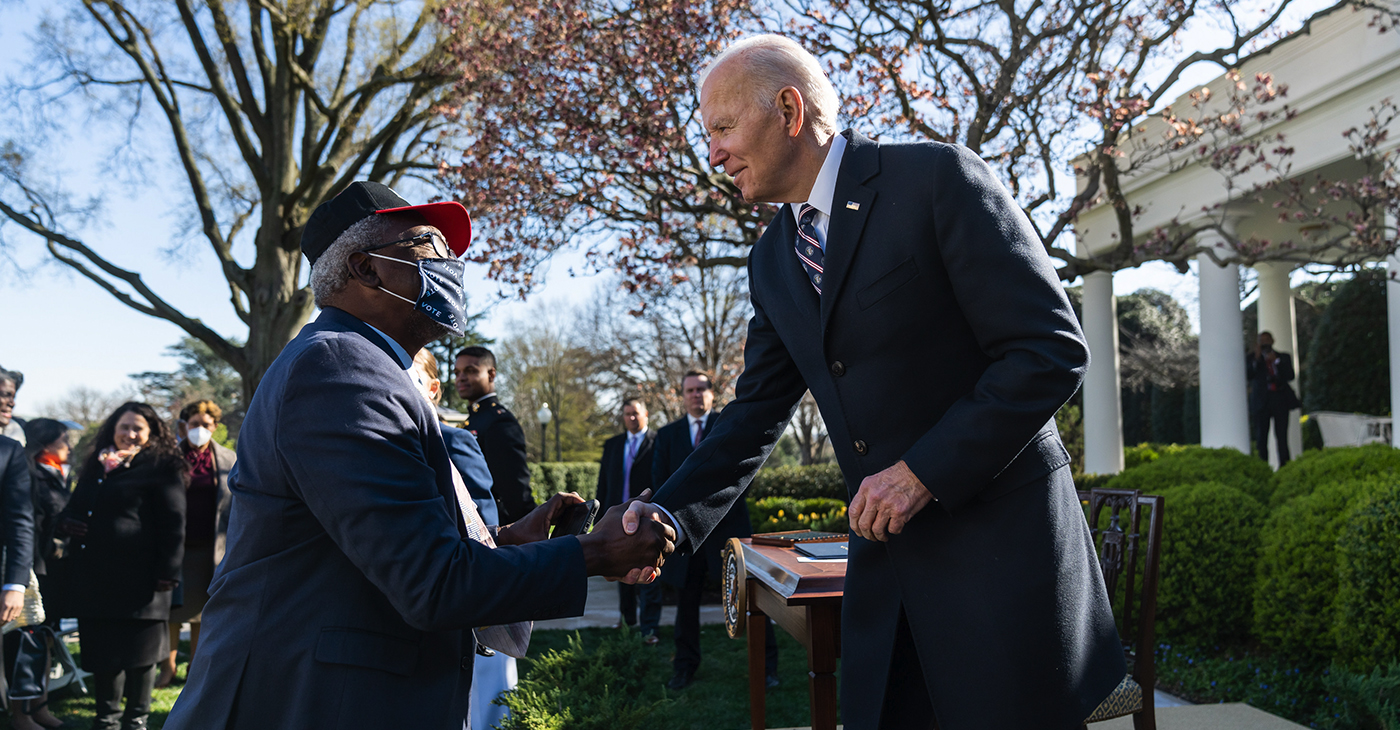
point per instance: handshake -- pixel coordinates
(630, 543)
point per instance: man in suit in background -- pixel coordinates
(356, 572)
(904, 286)
(674, 442)
(497, 430)
(1270, 396)
(623, 474)
(16, 528)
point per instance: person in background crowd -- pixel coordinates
(10, 382)
(674, 442)
(46, 451)
(126, 521)
(493, 672)
(498, 432)
(1270, 396)
(207, 503)
(624, 471)
(16, 526)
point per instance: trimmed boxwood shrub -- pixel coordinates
(1314, 469)
(1192, 465)
(1349, 356)
(800, 482)
(1295, 597)
(604, 689)
(564, 476)
(1368, 573)
(776, 514)
(1087, 482)
(1210, 539)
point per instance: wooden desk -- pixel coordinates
(804, 598)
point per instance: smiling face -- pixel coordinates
(756, 144)
(7, 402)
(132, 430)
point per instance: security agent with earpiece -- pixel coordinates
(353, 572)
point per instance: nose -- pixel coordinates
(717, 154)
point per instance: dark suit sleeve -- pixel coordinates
(166, 495)
(358, 461)
(1011, 297)
(602, 491)
(17, 500)
(504, 448)
(707, 484)
(1285, 368)
(661, 458)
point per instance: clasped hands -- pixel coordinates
(634, 555)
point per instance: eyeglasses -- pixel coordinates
(430, 239)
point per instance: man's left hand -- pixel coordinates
(535, 526)
(886, 502)
(13, 603)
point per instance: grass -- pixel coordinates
(1291, 690)
(719, 698)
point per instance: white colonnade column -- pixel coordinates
(1103, 411)
(1224, 411)
(1277, 317)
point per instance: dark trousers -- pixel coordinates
(1275, 413)
(688, 622)
(907, 705)
(649, 596)
(136, 683)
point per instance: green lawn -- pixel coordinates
(719, 699)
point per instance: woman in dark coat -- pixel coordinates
(126, 521)
(46, 452)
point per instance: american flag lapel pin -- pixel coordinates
(852, 205)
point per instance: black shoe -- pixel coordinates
(680, 680)
(772, 681)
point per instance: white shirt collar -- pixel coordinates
(823, 193)
(636, 436)
(399, 352)
(697, 419)
(484, 397)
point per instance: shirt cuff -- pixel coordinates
(14, 587)
(680, 534)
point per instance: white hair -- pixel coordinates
(773, 63)
(331, 272)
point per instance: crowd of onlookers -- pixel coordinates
(123, 537)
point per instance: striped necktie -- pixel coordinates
(510, 639)
(809, 250)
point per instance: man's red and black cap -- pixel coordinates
(360, 200)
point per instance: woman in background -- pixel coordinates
(126, 521)
(206, 521)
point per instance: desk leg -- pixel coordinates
(758, 677)
(821, 665)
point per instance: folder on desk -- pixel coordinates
(824, 550)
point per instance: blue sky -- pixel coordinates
(61, 330)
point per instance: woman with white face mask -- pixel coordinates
(206, 521)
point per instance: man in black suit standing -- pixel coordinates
(623, 474)
(674, 442)
(904, 286)
(16, 527)
(1270, 396)
(497, 431)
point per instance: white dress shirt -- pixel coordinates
(401, 354)
(823, 195)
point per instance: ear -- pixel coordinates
(435, 389)
(362, 270)
(791, 106)
(491, 375)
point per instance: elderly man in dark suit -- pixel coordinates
(905, 288)
(355, 568)
(16, 527)
(624, 473)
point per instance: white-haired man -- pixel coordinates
(905, 288)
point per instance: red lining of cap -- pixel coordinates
(449, 216)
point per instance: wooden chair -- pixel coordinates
(1119, 544)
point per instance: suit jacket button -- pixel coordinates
(838, 369)
(861, 448)
(466, 663)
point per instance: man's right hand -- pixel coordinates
(611, 551)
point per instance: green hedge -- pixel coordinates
(776, 514)
(1192, 465)
(1368, 595)
(1368, 700)
(1086, 482)
(1146, 453)
(1314, 469)
(1295, 596)
(800, 482)
(1210, 538)
(576, 689)
(564, 476)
